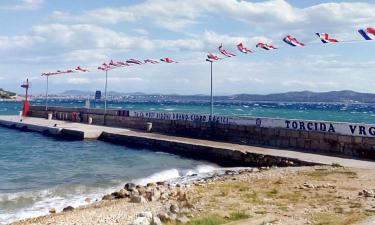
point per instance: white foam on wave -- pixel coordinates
(174, 175)
(38, 203)
(59, 197)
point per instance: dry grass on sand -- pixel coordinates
(317, 195)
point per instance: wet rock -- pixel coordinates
(88, 200)
(52, 211)
(118, 195)
(183, 220)
(68, 209)
(130, 187)
(137, 199)
(125, 192)
(151, 185)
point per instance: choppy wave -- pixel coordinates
(30, 204)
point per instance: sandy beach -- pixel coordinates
(298, 195)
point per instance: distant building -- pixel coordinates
(98, 95)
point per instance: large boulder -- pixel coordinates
(107, 197)
(141, 190)
(68, 209)
(120, 194)
(137, 199)
(153, 195)
(130, 187)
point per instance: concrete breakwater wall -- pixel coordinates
(312, 136)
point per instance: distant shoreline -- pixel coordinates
(347, 97)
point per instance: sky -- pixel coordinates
(38, 36)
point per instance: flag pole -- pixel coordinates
(105, 92)
(212, 97)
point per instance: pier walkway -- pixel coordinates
(85, 131)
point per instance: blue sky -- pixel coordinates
(39, 36)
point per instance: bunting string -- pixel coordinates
(368, 34)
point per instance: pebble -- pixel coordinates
(53, 210)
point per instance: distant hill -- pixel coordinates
(301, 96)
(77, 93)
(308, 96)
(7, 94)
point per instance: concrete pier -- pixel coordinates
(220, 152)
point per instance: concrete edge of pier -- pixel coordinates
(223, 153)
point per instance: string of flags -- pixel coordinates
(367, 33)
(116, 64)
(76, 70)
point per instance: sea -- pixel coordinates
(38, 173)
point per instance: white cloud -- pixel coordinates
(95, 36)
(91, 36)
(23, 5)
(78, 80)
(24, 41)
(275, 15)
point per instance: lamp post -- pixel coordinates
(105, 92)
(212, 97)
(47, 93)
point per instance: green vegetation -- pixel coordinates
(215, 219)
(336, 219)
(6, 94)
(322, 173)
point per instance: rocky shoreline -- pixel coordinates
(170, 201)
(296, 195)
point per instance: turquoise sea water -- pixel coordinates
(358, 113)
(38, 173)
